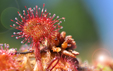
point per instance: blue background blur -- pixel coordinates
(90, 22)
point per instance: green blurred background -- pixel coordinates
(78, 23)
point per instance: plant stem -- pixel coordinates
(38, 57)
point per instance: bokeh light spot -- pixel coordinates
(100, 55)
(8, 14)
(101, 58)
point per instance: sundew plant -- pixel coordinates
(54, 51)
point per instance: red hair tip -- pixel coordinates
(18, 12)
(11, 35)
(10, 25)
(43, 4)
(63, 17)
(11, 20)
(25, 7)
